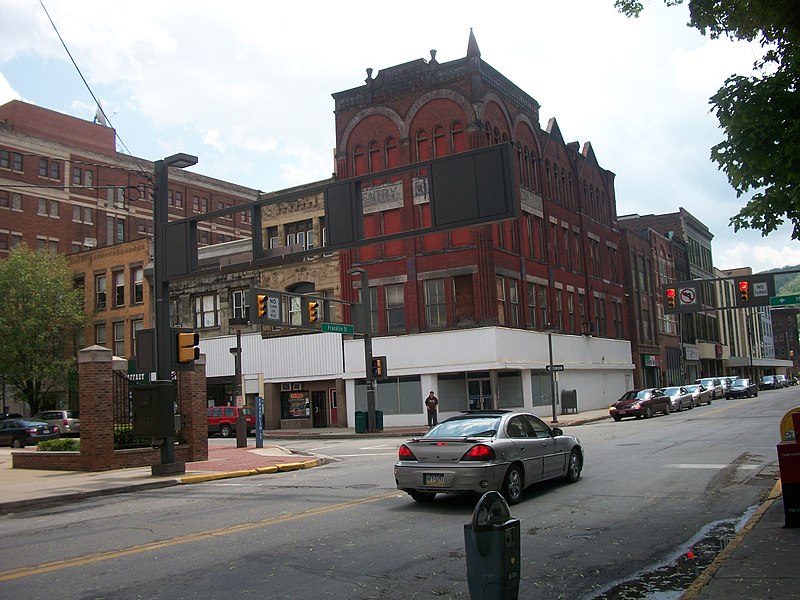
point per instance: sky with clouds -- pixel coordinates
(246, 85)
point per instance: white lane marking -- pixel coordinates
(365, 454)
(720, 466)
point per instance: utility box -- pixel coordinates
(569, 401)
(492, 547)
(789, 465)
(153, 407)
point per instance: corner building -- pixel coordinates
(466, 313)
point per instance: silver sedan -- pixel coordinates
(679, 397)
(479, 451)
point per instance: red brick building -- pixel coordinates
(557, 265)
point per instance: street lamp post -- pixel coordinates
(162, 321)
(550, 331)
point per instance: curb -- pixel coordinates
(708, 574)
(37, 503)
(281, 468)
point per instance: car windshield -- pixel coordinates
(692, 388)
(636, 395)
(768, 378)
(741, 382)
(671, 391)
(470, 427)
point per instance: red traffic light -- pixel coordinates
(670, 292)
(743, 285)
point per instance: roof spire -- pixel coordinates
(472, 46)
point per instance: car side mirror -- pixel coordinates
(557, 431)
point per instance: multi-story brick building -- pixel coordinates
(651, 260)
(64, 186)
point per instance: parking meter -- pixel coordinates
(491, 541)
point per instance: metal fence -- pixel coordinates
(123, 415)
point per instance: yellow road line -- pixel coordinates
(89, 559)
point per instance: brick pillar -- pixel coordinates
(192, 407)
(95, 389)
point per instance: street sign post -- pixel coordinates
(338, 328)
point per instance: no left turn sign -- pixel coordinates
(687, 296)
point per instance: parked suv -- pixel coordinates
(222, 419)
(68, 422)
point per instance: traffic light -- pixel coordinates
(377, 367)
(188, 350)
(744, 291)
(261, 301)
(313, 311)
(671, 297)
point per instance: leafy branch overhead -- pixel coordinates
(759, 114)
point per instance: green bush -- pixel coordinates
(124, 438)
(60, 445)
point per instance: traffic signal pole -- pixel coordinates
(161, 286)
(370, 375)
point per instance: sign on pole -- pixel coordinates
(338, 328)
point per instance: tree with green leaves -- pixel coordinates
(41, 312)
(759, 114)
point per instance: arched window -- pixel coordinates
(564, 199)
(439, 142)
(488, 133)
(422, 146)
(390, 152)
(535, 184)
(570, 193)
(547, 178)
(374, 157)
(359, 164)
(496, 135)
(457, 141)
(585, 203)
(555, 184)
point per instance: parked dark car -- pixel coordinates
(742, 388)
(4, 416)
(783, 380)
(640, 403)
(19, 433)
(769, 382)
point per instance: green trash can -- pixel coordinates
(378, 420)
(361, 421)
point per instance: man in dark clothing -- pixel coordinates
(432, 404)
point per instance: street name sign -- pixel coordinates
(554, 367)
(338, 328)
(784, 300)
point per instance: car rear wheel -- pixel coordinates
(513, 485)
(422, 496)
(225, 430)
(574, 467)
(17, 443)
(648, 412)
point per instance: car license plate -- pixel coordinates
(433, 479)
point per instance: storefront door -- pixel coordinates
(480, 394)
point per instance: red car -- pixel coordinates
(222, 419)
(640, 403)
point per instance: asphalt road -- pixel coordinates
(342, 531)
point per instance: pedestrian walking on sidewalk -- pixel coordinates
(432, 404)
